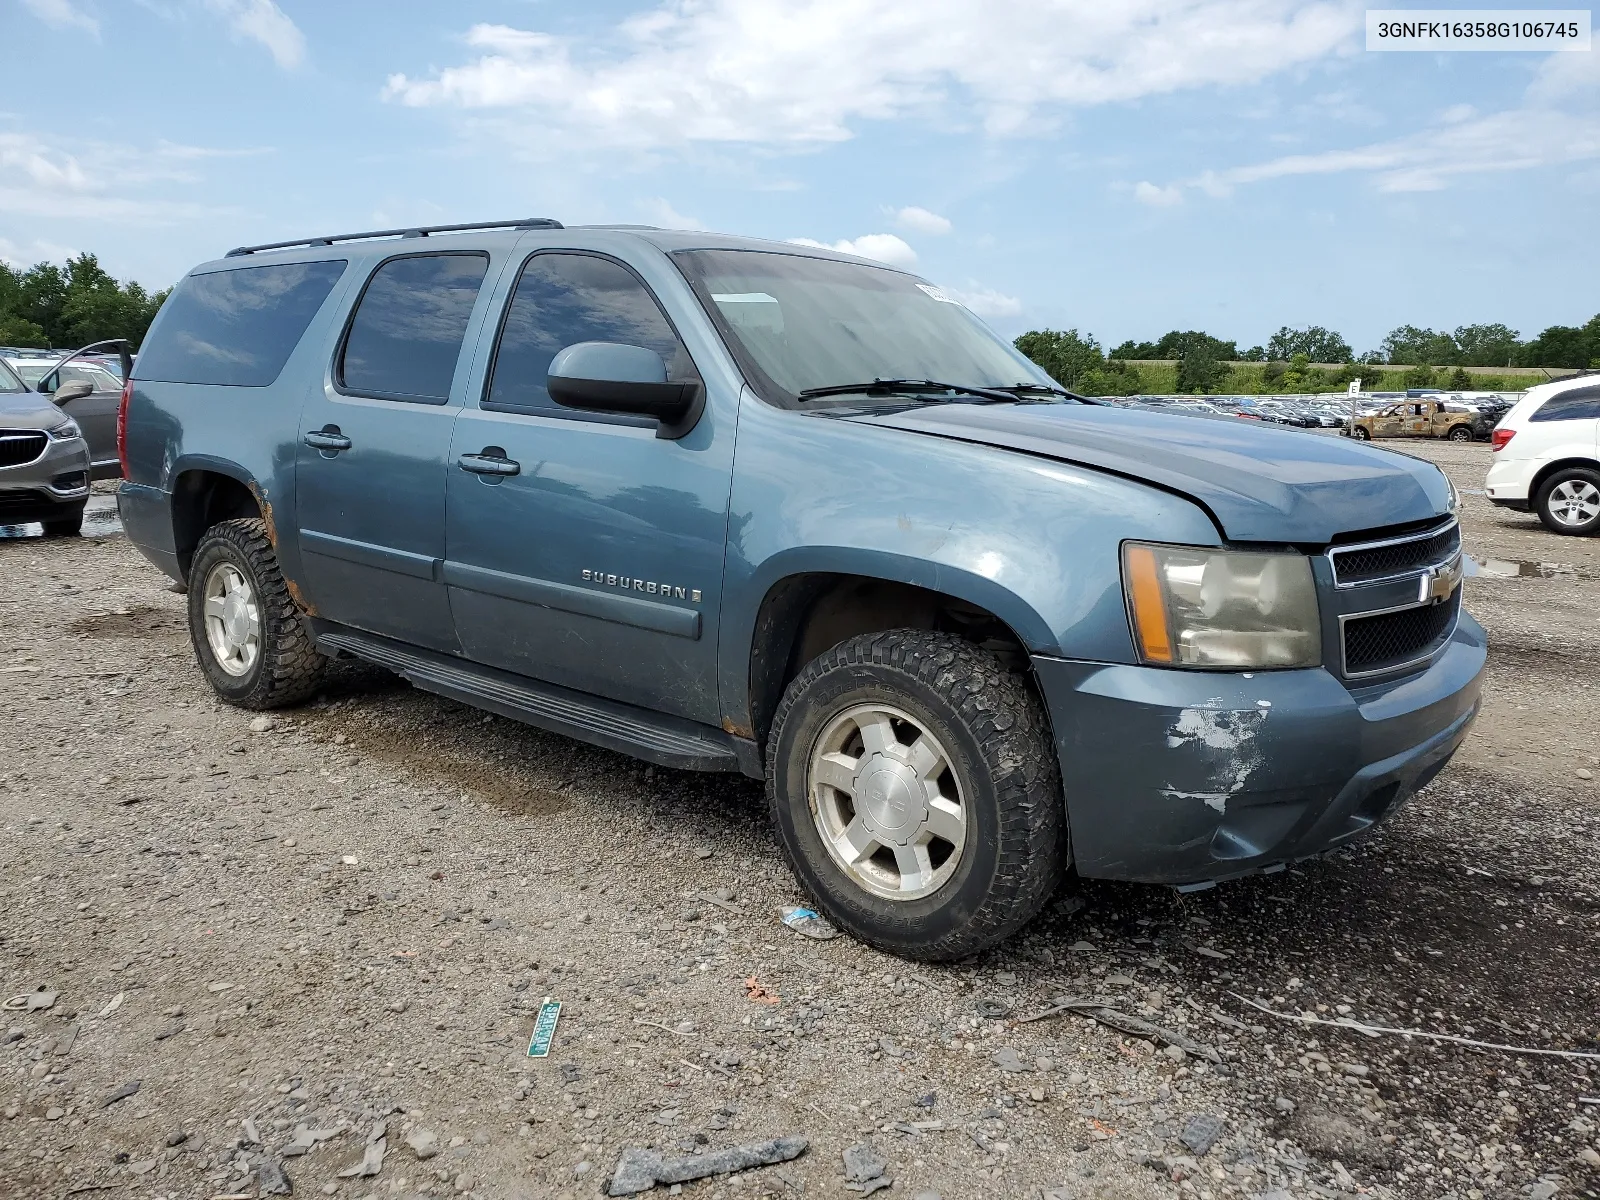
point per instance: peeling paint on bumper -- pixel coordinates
(1191, 777)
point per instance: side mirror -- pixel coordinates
(76, 390)
(614, 378)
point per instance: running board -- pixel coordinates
(653, 737)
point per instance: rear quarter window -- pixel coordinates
(235, 328)
(1579, 404)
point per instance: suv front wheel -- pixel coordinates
(1569, 501)
(249, 636)
(913, 784)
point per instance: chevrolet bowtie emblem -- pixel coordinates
(1439, 583)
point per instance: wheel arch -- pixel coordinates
(1536, 485)
(206, 490)
(808, 610)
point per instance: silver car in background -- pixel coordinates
(44, 460)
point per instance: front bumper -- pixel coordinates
(1184, 777)
(48, 488)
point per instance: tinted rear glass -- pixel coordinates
(235, 328)
(406, 334)
(1580, 404)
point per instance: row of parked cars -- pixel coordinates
(58, 431)
(1457, 416)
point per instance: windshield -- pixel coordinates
(9, 382)
(33, 372)
(797, 323)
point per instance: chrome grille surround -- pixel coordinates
(1397, 599)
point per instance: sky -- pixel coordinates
(1122, 169)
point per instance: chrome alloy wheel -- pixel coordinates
(1574, 502)
(233, 619)
(886, 802)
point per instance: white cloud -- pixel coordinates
(1157, 197)
(985, 301)
(798, 72)
(263, 21)
(1556, 123)
(659, 212)
(920, 220)
(880, 247)
(62, 14)
(98, 179)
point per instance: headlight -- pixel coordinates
(1455, 496)
(1221, 609)
(67, 430)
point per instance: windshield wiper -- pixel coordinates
(1047, 388)
(886, 386)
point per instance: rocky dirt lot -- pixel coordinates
(306, 952)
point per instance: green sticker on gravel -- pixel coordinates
(544, 1028)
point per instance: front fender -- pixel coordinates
(1034, 541)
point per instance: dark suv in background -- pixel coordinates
(733, 505)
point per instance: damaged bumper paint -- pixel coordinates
(1191, 777)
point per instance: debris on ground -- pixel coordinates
(808, 922)
(372, 1157)
(306, 1139)
(865, 1169)
(640, 1170)
(755, 990)
(544, 1028)
(122, 1093)
(424, 1143)
(1201, 1133)
(1116, 1019)
(271, 1180)
(34, 1001)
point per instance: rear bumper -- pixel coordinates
(1508, 481)
(1187, 778)
(146, 514)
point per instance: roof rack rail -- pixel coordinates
(414, 231)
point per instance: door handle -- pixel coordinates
(327, 439)
(489, 464)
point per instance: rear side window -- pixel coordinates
(235, 328)
(407, 330)
(563, 299)
(1577, 405)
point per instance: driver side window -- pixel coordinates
(561, 299)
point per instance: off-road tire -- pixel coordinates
(289, 668)
(1361, 434)
(70, 525)
(990, 719)
(1542, 506)
(1460, 433)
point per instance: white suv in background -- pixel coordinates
(1547, 455)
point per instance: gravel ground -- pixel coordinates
(299, 948)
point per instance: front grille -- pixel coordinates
(19, 448)
(1387, 640)
(1361, 564)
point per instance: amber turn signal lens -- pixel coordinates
(1149, 604)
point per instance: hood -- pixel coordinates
(29, 410)
(1261, 484)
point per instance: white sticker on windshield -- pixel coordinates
(937, 294)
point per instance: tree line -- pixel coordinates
(65, 307)
(1407, 357)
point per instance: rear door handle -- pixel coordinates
(489, 464)
(327, 439)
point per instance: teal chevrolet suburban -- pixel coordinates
(731, 505)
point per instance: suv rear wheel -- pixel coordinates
(1569, 501)
(249, 636)
(913, 784)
